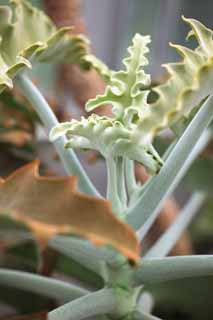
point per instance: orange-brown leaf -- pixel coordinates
(53, 205)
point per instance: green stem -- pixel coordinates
(134, 190)
(51, 288)
(48, 118)
(199, 146)
(121, 184)
(142, 189)
(130, 177)
(159, 270)
(112, 190)
(97, 303)
(179, 160)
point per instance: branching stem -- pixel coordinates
(112, 187)
(48, 118)
(121, 183)
(130, 176)
(97, 303)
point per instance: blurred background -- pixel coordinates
(110, 25)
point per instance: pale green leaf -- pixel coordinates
(143, 213)
(27, 34)
(188, 84)
(42, 285)
(155, 270)
(97, 303)
(108, 136)
(124, 88)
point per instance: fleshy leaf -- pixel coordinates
(108, 136)
(27, 33)
(52, 205)
(125, 89)
(188, 84)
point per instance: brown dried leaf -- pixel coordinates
(52, 205)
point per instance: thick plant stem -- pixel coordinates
(156, 270)
(112, 190)
(178, 162)
(201, 144)
(121, 184)
(130, 177)
(48, 118)
(44, 286)
(97, 303)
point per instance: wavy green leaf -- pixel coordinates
(108, 136)
(143, 213)
(188, 84)
(124, 88)
(126, 91)
(27, 34)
